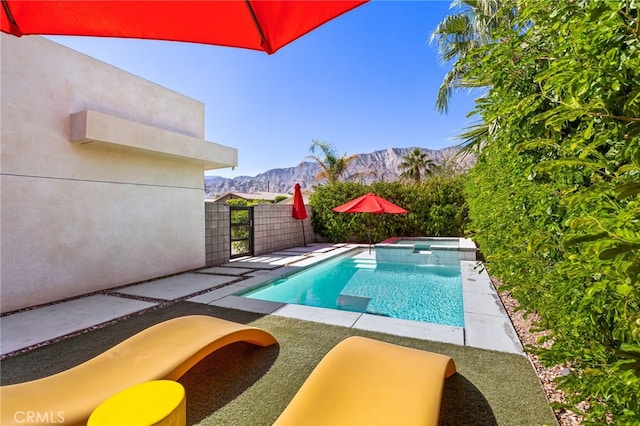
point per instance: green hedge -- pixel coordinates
(554, 198)
(436, 207)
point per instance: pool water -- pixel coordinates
(356, 283)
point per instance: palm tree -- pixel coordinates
(332, 167)
(460, 33)
(415, 165)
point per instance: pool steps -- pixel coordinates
(364, 263)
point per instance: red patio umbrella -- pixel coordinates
(265, 25)
(369, 203)
(299, 211)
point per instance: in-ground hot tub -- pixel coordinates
(426, 250)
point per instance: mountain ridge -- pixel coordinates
(383, 163)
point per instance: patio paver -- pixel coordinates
(28, 328)
(490, 332)
(251, 265)
(250, 305)
(177, 286)
(220, 270)
(214, 295)
(323, 315)
(415, 329)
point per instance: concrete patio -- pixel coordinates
(487, 324)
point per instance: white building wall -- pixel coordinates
(82, 217)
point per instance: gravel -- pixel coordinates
(523, 323)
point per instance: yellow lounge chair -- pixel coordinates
(367, 382)
(163, 351)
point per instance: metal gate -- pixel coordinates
(241, 225)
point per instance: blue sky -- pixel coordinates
(363, 82)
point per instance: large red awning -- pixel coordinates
(265, 25)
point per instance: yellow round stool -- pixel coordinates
(159, 402)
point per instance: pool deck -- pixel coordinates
(487, 324)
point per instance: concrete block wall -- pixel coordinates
(275, 229)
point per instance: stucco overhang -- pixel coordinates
(92, 128)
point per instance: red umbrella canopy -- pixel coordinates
(369, 203)
(299, 211)
(265, 25)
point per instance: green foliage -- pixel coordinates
(415, 165)
(333, 168)
(436, 207)
(279, 198)
(237, 202)
(240, 227)
(470, 26)
(247, 203)
(554, 199)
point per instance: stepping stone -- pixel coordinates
(221, 270)
(27, 328)
(176, 287)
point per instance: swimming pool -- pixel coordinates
(356, 282)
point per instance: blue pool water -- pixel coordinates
(413, 292)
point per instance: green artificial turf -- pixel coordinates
(247, 385)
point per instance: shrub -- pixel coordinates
(554, 198)
(436, 207)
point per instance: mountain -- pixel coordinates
(384, 165)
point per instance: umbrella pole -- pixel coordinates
(369, 223)
(303, 236)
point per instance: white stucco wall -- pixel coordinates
(82, 217)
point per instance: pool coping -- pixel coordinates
(487, 324)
